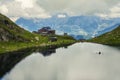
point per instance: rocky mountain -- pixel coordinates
(77, 26)
(9, 31)
(109, 38)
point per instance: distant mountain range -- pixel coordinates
(80, 27)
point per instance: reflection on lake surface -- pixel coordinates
(80, 61)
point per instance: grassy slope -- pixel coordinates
(13, 46)
(25, 39)
(16, 31)
(110, 38)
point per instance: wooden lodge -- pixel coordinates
(46, 31)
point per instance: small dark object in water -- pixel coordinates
(99, 53)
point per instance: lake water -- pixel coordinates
(81, 61)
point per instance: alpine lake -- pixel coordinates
(79, 61)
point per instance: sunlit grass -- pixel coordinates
(14, 46)
(110, 38)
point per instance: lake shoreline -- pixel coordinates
(79, 58)
(17, 55)
(40, 46)
(114, 45)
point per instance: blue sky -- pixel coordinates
(46, 8)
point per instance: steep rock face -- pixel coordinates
(4, 36)
(7, 36)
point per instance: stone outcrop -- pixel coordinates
(9, 31)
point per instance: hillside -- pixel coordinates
(9, 31)
(110, 38)
(13, 37)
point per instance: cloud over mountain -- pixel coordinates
(22, 8)
(46, 8)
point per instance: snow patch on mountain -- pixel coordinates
(86, 26)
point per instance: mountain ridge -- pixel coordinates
(109, 38)
(86, 26)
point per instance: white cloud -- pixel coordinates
(113, 12)
(77, 7)
(3, 9)
(46, 8)
(26, 3)
(22, 8)
(115, 8)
